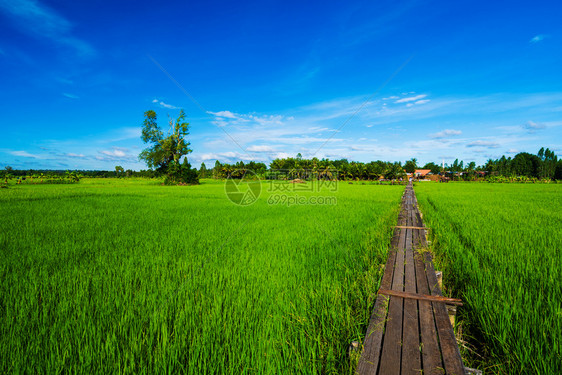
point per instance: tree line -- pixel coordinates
(544, 165)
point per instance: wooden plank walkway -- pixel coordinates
(410, 335)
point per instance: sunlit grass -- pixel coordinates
(130, 276)
(501, 249)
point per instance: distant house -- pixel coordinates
(421, 173)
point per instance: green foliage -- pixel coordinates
(203, 171)
(119, 170)
(394, 171)
(411, 165)
(499, 249)
(165, 152)
(540, 166)
(181, 174)
(131, 277)
(435, 169)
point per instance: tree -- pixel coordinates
(435, 169)
(188, 174)
(394, 171)
(217, 170)
(165, 152)
(548, 163)
(118, 169)
(525, 164)
(203, 171)
(411, 165)
(558, 170)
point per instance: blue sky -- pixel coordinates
(370, 80)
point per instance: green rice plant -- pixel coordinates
(500, 246)
(128, 276)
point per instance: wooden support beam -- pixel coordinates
(424, 297)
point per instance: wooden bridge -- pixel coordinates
(409, 331)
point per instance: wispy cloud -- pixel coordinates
(411, 98)
(479, 143)
(71, 96)
(532, 126)
(73, 155)
(34, 18)
(164, 105)
(24, 154)
(537, 38)
(445, 133)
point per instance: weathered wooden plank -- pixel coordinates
(450, 353)
(411, 324)
(421, 297)
(369, 360)
(410, 227)
(451, 358)
(372, 345)
(392, 342)
(431, 354)
(411, 361)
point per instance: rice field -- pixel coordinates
(129, 276)
(500, 247)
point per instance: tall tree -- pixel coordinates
(203, 171)
(164, 149)
(164, 152)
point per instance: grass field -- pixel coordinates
(500, 246)
(130, 276)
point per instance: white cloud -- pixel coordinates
(281, 155)
(411, 98)
(164, 105)
(115, 153)
(71, 96)
(260, 148)
(446, 133)
(35, 18)
(226, 114)
(537, 38)
(423, 101)
(391, 98)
